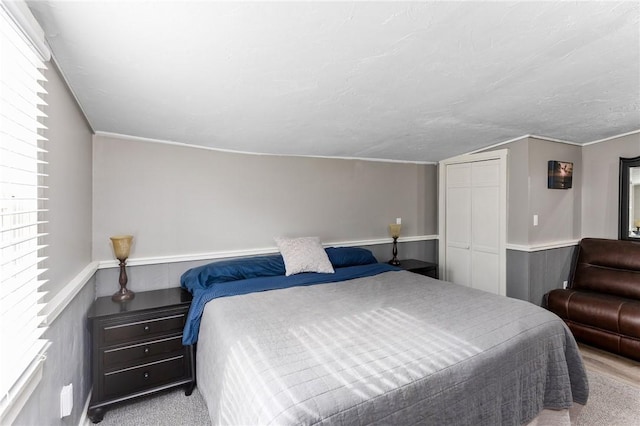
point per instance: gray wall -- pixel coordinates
(179, 200)
(601, 178)
(205, 201)
(518, 192)
(531, 274)
(69, 229)
(558, 210)
(69, 181)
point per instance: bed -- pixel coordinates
(381, 346)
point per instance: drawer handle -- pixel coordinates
(146, 351)
(146, 375)
(147, 328)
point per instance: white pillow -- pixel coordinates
(304, 254)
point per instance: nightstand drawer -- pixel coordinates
(136, 354)
(145, 376)
(133, 331)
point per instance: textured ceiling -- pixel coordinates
(392, 80)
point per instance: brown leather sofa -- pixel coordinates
(601, 305)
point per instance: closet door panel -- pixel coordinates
(485, 223)
(459, 265)
(458, 224)
(459, 218)
(485, 275)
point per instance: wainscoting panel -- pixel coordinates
(518, 274)
(68, 361)
(532, 274)
(540, 277)
(558, 263)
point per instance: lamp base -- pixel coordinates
(394, 261)
(123, 295)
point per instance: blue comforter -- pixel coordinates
(203, 292)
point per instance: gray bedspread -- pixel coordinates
(396, 348)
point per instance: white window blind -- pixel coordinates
(21, 208)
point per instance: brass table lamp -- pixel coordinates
(121, 247)
(394, 230)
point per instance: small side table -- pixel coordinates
(137, 348)
(420, 267)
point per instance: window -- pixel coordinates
(21, 211)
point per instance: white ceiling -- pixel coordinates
(417, 81)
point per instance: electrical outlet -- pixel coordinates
(66, 400)
(398, 221)
(565, 284)
(535, 220)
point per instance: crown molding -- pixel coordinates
(612, 137)
(232, 151)
(544, 138)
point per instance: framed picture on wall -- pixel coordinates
(560, 174)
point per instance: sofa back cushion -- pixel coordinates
(608, 266)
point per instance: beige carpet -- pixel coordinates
(611, 403)
(614, 389)
(171, 408)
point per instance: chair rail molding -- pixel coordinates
(140, 261)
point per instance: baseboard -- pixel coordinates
(84, 419)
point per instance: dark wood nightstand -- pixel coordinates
(420, 267)
(137, 348)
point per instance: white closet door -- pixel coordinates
(459, 224)
(485, 226)
(472, 225)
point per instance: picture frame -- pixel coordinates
(560, 174)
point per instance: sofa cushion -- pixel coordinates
(629, 319)
(608, 266)
(605, 312)
(625, 346)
